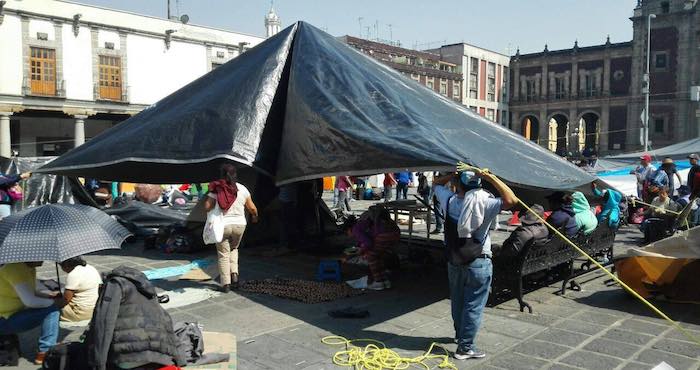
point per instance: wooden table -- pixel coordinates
(409, 208)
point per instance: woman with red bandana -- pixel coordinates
(234, 200)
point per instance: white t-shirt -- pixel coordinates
(235, 215)
(85, 282)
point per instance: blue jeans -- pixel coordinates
(469, 291)
(29, 319)
(401, 191)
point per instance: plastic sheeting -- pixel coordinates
(676, 151)
(147, 215)
(303, 105)
(40, 188)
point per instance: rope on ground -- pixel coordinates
(375, 356)
(466, 167)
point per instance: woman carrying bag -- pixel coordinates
(232, 200)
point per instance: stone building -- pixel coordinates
(425, 68)
(592, 97)
(70, 71)
(565, 99)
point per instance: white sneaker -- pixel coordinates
(376, 285)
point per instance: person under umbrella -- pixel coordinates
(81, 290)
(22, 308)
(52, 232)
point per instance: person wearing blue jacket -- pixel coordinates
(563, 215)
(403, 180)
(611, 207)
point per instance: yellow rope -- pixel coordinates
(375, 356)
(635, 200)
(465, 167)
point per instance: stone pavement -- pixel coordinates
(600, 327)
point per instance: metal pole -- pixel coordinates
(168, 9)
(647, 82)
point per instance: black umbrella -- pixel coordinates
(57, 232)
(302, 105)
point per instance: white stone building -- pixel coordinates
(68, 71)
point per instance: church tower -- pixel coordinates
(272, 22)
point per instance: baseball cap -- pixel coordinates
(694, 156)
(646, 157)
(470, 180)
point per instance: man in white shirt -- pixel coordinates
(469, 277)
(642, 172)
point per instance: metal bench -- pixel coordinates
(545, 255)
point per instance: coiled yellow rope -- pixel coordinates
(375, 356)
(466, 167)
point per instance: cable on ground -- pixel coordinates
(466, 167)
(375, 356)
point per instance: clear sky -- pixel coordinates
(499, 25)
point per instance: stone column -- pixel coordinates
(603, 128)
(606, 76)
(544, 128)
(574, 80)
(79, 130)
(571, 140)
(5, 138)
(516, 82)
(545, 82)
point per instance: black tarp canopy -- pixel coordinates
(303, 105)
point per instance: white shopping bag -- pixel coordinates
(214, 227)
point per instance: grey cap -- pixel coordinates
(694, 156)
(529, 218)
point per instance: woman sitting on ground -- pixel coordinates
(376, 235)
(81, 291)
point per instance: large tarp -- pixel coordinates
(676, 151)
(42, 188)
(303, 105)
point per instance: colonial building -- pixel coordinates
(426, 68)
(485, 75)
(69, 71)
(592, 97)
(565, 99)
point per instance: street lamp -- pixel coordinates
(647, 83)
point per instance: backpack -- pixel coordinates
(66, 356)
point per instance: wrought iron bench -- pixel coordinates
(547, 255)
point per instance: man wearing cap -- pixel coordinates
(642, 172)
(531, 229)
(694, 172)
(469, 214)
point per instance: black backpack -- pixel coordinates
(66, 356)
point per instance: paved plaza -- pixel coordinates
(600, 327)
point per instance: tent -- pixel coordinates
(678, 151)
(303, 105)
(668, 267)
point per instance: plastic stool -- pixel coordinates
(328, 270)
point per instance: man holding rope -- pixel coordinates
(468, 216)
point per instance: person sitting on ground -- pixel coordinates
(661, 205)
(661, 208)
(22, 308)
(81, 290)
(531, 229)
(585, 218)
(376, 235)
(611, 207)
(562, 216)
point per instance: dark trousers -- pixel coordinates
(401, 191)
